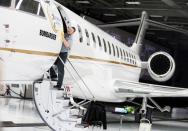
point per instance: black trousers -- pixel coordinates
(60, 66)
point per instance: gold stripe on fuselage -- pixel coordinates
(41, 53)
(100, 60)
(51, 54)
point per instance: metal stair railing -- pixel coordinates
(80, 87)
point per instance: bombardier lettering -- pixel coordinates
(47, 34)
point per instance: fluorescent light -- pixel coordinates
(83, 2)
(157, 16)
(109, 14)
(133, 2)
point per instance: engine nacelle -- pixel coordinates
(161, 66)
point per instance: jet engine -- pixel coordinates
(161, 66)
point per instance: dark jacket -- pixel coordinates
(95, 115)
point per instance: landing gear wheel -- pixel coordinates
(137, 116)
(148, 116)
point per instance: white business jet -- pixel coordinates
(99, 67)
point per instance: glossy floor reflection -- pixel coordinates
(24, 111)
(19, 111)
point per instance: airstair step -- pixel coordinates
(81, 125)
(62, 102)
(76, 116)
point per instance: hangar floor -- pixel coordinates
(21, 115)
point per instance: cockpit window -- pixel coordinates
(30, 6)
(5, 3)
(17, 2)
(41, 13)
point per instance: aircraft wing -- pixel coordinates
(137, 89)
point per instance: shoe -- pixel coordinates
(54, 79)
(60, 89)
(57, 86)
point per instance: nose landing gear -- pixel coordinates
(144, 117)
(144, 113)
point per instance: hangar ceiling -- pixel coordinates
(173, 12)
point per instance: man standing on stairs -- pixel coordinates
(63, 55)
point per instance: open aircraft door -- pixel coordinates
(53, 16)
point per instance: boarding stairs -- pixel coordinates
(57, 107)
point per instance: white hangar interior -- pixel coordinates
(158, 25)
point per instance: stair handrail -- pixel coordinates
(75, 78)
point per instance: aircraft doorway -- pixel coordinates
(68, 28)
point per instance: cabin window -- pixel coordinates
(124, 55)
(134, 60)
(5, 3)
(94, 40)
(130, 60)
(87, 35)
(93, 36)
(30, 6)
(121, 54)
(130, 57)
(117, 51)
(109, 47)
(80, 34)
(99, 41)
(105, 49)
(127, 56)
(114, 50)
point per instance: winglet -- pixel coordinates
(137, 45)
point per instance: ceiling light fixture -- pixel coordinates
(156, 16)
(83, 2)
(109, 14)
(133, 2)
